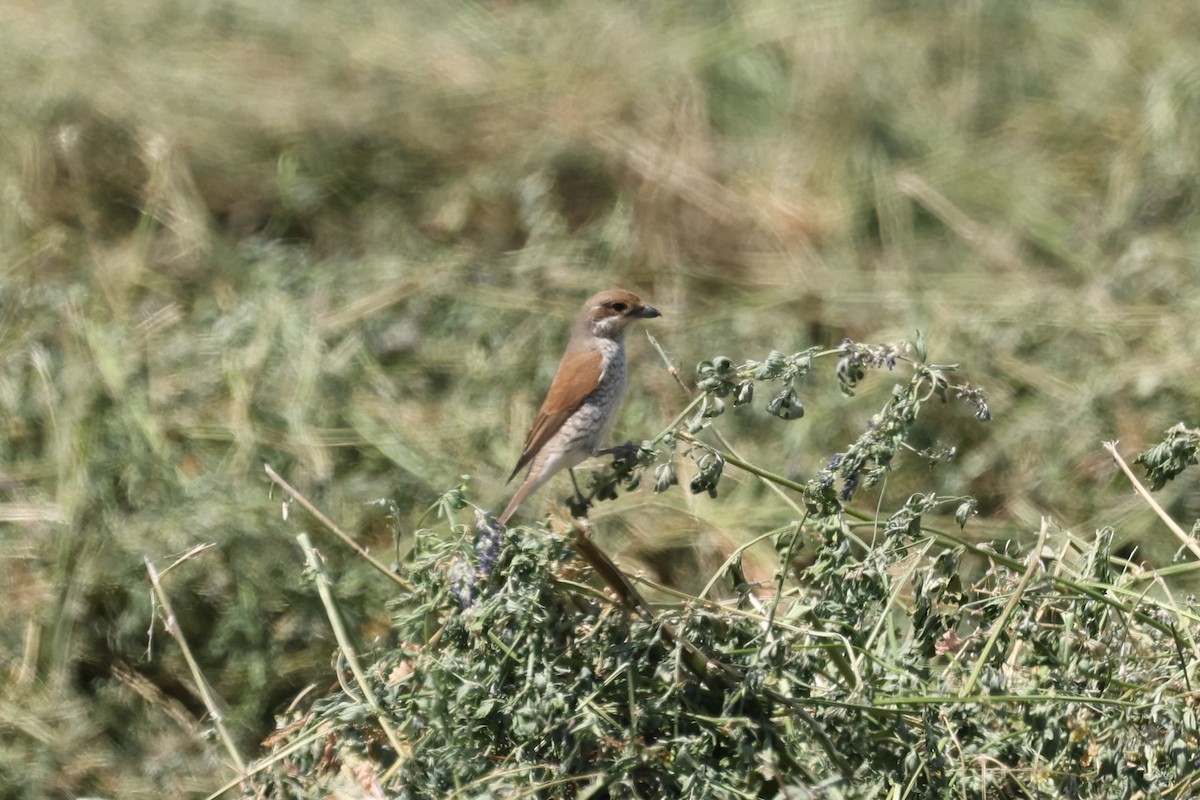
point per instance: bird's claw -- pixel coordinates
(578, 506)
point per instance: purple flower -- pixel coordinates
(849, 487)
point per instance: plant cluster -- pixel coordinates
(882, 670)
(1167, 459)
(341, 238)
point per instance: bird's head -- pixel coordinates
(610, 312)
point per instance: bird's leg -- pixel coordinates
(580, 507)
(578, 494)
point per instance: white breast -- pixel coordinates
(606, 400)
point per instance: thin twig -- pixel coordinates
(333, 528)
(1032, 564)
(1184, 538)
(1014, 653)
(206, 693)
(296, 745)
(730, 457)
(317, 565)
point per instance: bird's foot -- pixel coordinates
(578, 506)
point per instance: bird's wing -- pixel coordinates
(578, 376)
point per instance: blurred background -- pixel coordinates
(348, 240)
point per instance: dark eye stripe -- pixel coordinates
(620, 308)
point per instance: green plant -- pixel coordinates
(330, 237)
(879, 670)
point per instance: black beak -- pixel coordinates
(647, 312)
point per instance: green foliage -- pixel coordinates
(347, 239)
(878, 669)
(1167, 459)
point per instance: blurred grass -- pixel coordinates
(347, 240)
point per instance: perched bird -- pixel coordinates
(585, 394)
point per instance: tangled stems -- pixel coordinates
(861, 465)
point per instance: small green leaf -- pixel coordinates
(920, 347)
(786, 405)
(964, 512)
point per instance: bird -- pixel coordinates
(584, 396)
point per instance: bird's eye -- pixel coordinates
(620, 308)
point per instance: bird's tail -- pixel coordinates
(527, 487)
